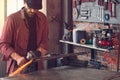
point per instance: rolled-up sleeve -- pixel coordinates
(6, 45)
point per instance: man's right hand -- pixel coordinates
(20, 60)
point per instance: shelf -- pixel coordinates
(84, 45)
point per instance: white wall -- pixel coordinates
(2, 15)
(44, 7)
(11, 6)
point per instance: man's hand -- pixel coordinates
(19, 59)
(43, 51)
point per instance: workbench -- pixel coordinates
(65, 73)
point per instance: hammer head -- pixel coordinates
(33, 55)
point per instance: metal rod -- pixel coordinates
(57, 56)
(40, 59)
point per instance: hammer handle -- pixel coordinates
(20, 68)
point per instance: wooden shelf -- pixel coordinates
(84, 45)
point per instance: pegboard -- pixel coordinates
(95, 11)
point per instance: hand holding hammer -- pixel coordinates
(31, 56)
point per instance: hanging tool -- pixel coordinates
(75, 10)
(79, 7)
(106, 15)
(115, 1)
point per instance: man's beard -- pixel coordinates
(30, 14)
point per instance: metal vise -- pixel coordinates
(33, 55)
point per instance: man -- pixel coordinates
(24, 31)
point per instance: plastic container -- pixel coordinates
(79, 35)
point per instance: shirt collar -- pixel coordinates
(22, 13)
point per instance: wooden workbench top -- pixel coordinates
(65, 73)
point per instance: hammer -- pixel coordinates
(31, 56)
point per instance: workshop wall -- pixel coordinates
(109, 60)
(54, 15)
(90, 25)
